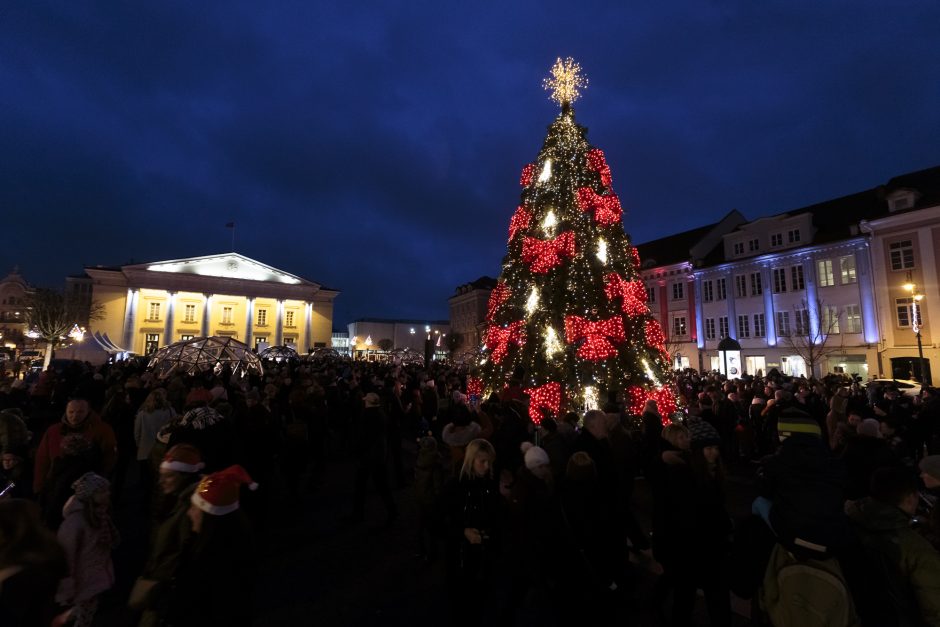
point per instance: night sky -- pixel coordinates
(376, 147)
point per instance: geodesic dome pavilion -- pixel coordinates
(204, 354)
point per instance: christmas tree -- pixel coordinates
(569, 316)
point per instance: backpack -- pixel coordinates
(806, 592)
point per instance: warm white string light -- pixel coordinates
(602, 250)
(549, 223)
(546, 171)
(533, 301)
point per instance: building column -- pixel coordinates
(249, 321)
(664, 309)
(130, 319)
(813, 304)
(929, 288)
(770, 317)
(279, 325)
(168, 323)
(866, 292)
(732, 306)
(206, 306)
(308, 326)
(699, 316)
(691, 287)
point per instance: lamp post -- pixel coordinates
(915, 326)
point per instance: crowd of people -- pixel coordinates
(848, 477)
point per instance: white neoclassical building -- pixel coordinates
(149, 305)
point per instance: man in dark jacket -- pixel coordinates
(370, 445)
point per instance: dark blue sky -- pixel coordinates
(376, 147)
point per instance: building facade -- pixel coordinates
(146, 306)
(369, 336)
(14, 298)
(468, 307)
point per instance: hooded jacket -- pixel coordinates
(94, 429)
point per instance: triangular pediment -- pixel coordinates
(227, 266)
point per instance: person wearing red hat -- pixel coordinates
(213, 583)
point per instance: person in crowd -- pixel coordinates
(428, 485)
(912, 566)
(31, 564)
(214, 581)
(369, 439)
(652, 425)
(207, 430)
(88, 536)
(15, 470)
(930, 475)
(474, 521)
(459, 433)
(153, 415)
(78, 420)
(557, 447)
(862, 454)
(118, 413)
(78, 456)
(13, 430)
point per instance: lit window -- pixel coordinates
(783, 323)
(678, 326)
(830, 320)
(262, 317)
(226, 315)
(824, 272)
(905, 310)
(189, 313)
(289, 318)
(154, 312)
(847, 269)
(853, 319)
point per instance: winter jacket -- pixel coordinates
(913, 566)
(50, 447)
(429, 476)
(863, 455)
(88, 551)
(146, 427)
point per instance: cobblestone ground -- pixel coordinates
(316, 569)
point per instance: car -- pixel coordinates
(906, 387)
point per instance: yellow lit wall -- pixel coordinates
(322, 322)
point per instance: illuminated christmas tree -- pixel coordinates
(569, 312)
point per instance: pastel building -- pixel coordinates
(468, 307)
(150, 305)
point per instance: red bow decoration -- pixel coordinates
(545, 255)
(597, 162)
(632, 292)
(655, 336)
(527, 172)
(520, 221)
(497, 297)
(546, 396)
(474, 386)
(597, 336)
(665, 401)
(607, 210)
(636, 257)
(499, 338)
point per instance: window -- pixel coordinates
(226, 315)
(830, 321)
(259, 339)
(152, 343)
(262, 317)
(793, 236)
(154, 312)
(853, 319)
(902, 255)
(709, 328)
(651, 294)
(756, 288)
(759, 328)
(678, 326)
(290, 341)
(783, 323)
(740, 286)
(780, 280)
(753, 245)
(289, 318)
(189, 313)
(708, 291)
(721, 289)
(796, 274)
(905, 309)
(847, 269)
(801, 321)
(744, 329)
(186, 336)
(678, 290)
(723, 327)
(739, 248)
(824, 272)
(776, 239)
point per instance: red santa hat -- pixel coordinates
(217, 493)
(183, 458)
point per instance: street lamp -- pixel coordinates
(915, 325)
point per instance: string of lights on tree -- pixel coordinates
(568, 318)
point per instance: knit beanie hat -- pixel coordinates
(217, 493)
(793, 421)
(870, 427)
(534, 456)
(183, 458)
(703, 434)
(89, 485)
(931, 466)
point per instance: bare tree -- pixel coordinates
(813, 345)
(52, 315)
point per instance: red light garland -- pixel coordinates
(546, 396)
(632, 292)
(597, 336)
(607, 210)
(497, 297)
(664, 397)
(636, 257)
(474, 386)
(519, 222)
(545, 255)
(527, 172)
(597, 162)
(655, 336)
(499, 338)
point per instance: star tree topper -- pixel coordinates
(565, 81)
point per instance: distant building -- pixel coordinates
(14, 297)
(468, 308)
(370, 336)
(154, 304)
